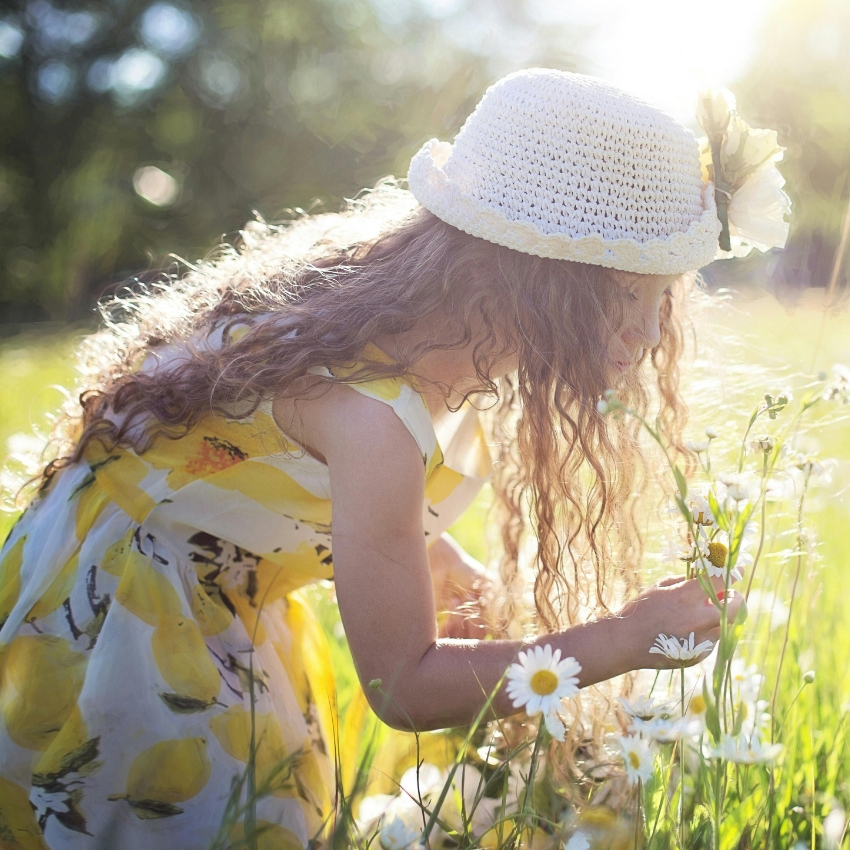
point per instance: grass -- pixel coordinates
(747, 347)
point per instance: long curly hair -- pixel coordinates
(330, 283)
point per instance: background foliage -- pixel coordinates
(131, 129)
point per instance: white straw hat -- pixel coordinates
(566, 166)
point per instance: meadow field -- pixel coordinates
(797, 635)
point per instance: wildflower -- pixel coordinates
(671, 648)
(776, 404)
(398, 834)
(746, 680)
(711, 433)
(840, 386)
(743, 750)
(578, 841)
(637, 757)
(644, 708)
(540, 680)
(555, 726)
(698, 446)
(697, 503)
(763, 444)
(666, 730)
(739, 488)
(809, 677)
(697, 708)
(834, 825)
(751, 716)
(713, 554)
(609, 403)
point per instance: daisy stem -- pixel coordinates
(682, 766)
(782, 653)
(532, 769)
(763, 520)
(718, 802)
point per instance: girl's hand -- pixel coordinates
(460, 590)
(675, 607)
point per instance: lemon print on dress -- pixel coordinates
(146, 592)
(233, 731)
(19, 829)
(212, 616)
(115, 557)
(59, 590)
(10, 578)
(40, 680)
(184, 662)
(165, 774)
(71, 751)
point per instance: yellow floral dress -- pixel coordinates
(147, 600)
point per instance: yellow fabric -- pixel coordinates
(150, 629)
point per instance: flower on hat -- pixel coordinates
(741, 163)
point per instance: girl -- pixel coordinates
(298, 410)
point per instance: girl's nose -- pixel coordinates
(645, 329)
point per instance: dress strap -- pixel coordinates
(405, 401)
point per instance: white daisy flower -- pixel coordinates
(666, 730)
(644, 708)
(746, 680)
(680, 651)
(398, 834)
(637, 757)
(555, 726)
(743, 750)
(714, 552)
(578, 841)
(540, 680)
(739, 487)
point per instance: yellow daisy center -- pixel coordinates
(634, 760)
(717, 553)
(697, 705)
(544, 682)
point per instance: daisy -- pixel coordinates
(644, 708)
(637, 757)
(676, 651)
(738, 749)
(540, 680)
(398, 834)
(746, 680)
(666, 730)
(578, 841)
(714, 553)
(739, 488)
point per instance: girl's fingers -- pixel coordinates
(671, 580)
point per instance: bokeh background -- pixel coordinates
(133, 130)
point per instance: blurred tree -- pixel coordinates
(799, 83)
(132, 128)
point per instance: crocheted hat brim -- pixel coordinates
(675, 254)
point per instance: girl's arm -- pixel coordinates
(385, 594)
(461, 590)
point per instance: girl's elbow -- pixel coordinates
(394, 710)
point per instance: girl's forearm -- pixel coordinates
(453, 679)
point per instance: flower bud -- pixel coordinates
(809, 676)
